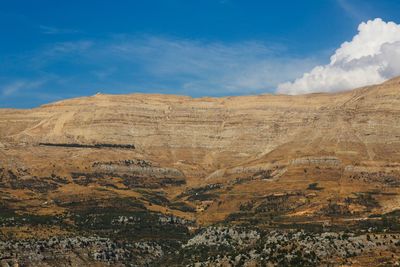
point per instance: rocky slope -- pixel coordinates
(131, 169)
(224, 129)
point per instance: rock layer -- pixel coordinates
(360, 124)
(157, 167)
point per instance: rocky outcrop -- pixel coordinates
(140, 169)
(243, 247)
(324, 161)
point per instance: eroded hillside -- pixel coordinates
(157, 171)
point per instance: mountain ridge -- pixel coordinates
(316, 162)
(219, 112)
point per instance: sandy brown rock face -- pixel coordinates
(275, 161)
(360, 124)
(204, 135)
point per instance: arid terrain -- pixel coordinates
(164, 180)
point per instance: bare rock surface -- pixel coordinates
(149, 180)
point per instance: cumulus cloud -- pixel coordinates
(372, 56)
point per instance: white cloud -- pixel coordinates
(53, 30)
(172, 65)
(355, 11)
(149, 64)
(14, 87)
(207, 68)
(372, 56)
(10, 89)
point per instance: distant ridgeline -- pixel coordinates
(123, 146)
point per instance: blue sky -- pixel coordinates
(51, 50)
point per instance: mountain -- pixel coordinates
(167, 174)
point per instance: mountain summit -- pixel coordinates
(111, 165)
